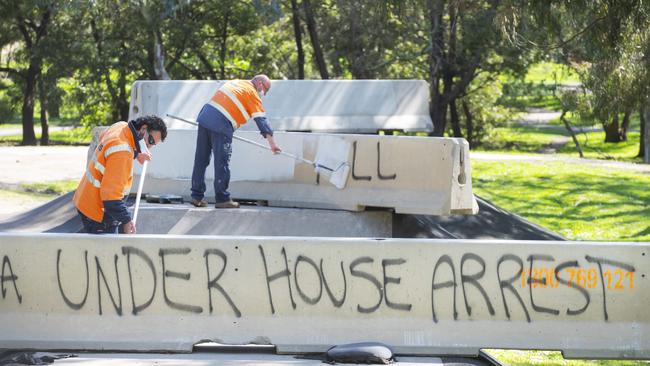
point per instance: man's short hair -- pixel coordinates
(265, 80)
(153, 123)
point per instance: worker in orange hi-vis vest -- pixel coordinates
(100, 197)
(235, 103)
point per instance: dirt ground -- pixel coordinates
(34, 164)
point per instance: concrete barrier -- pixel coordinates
(342, 106)
(168, 292)
(262, 221)
(416, 175)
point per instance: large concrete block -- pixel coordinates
(342, 106)
(262, 221)
(416, 175)
(168, 292)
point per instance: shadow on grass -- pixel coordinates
(609, 206)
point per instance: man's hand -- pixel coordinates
(274, 147)
(129, 228)
(143, 156)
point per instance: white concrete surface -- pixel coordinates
(417, 175)
(262, 221)
(342, 106)
(166, 293)
(239, 358)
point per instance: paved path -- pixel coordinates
(538, 116)
(30, 164)
(541, 118)
(33, 164)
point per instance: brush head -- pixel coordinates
(339, 177)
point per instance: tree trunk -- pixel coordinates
(455, 121)
(159, 57)
(358, 58)
(122, 102)
(469, 122)
(45, 123)
(573, 135)
(223, 45)
(298, 35)
(625, 126)
(105, 72)
(29, 137)
(642, 130)
(612, 131)
(436, 108)
(645, 127)
(315, 43)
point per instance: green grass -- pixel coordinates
(537, 89)
(12, 198)
(549, 358)
(56, 187)
(525, 139)
(13, 194)
(75, 136)
(550, 73)
(520, 139)
(15, 122)
(549, 102)
(594, 147)
(579, 202)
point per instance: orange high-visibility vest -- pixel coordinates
(110, 172)
(238, 101)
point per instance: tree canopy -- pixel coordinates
(80, 57)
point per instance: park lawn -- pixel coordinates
(51, 188)
(525, 102)
(594, 147)
(551, 73)
(521, 139)
(15, 122)
(550, 358)
(580, 202)
(545, 73)
(529, 139)
(74, 136)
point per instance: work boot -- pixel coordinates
(227, 204)
(199, 203)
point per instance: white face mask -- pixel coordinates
(143, 146)
(260, 93)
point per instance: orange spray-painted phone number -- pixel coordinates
(617, 279)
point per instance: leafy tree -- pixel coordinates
(28, 22)
(610, 38)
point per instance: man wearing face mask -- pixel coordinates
(100, 197)
(235, 103)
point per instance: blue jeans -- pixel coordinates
(220, 145)
(93, 227)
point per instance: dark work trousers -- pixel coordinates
(220, 145)
(93, 227)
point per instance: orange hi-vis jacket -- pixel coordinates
(110, 172)
(238, 101)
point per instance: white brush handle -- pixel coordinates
(137, 196)
(268, 148)
(249, 142)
